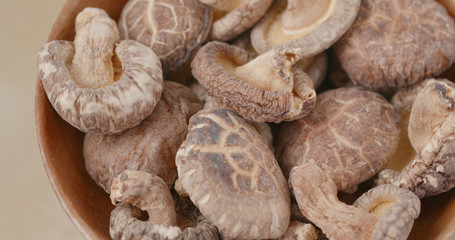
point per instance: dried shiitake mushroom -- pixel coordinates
(173, 29)
(397, 43)
(232, 17)
(385, 212)
(210, 103)
(98, 84)
(148, 192)
(315, 67)
(262, 89)
(232, 176)
(311, 25)
(350, 134)
(150, 146)
(300, 231)
(425, 161)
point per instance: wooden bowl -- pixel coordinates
(89, 207)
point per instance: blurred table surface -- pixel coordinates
(29, 208)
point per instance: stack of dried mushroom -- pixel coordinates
(200, 162)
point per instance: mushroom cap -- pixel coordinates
(431, 132)
(342, 135)
(432, 135)
(395, 207)
(110, 109)
(322, 33)
(150, 146)
(236, 21)
(232, 177)
(249, 101)
(388, 44)
(147, 191)
(173, 29)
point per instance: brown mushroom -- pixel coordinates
(311, 25)
(262, 89)
(210, 103)
(397, 43)
(232, 177)
(148, 192)
(425, 164)
(232, 17)
(173, 29)
(96, 83)
(151, 146)
(387, 212)
(350, 134)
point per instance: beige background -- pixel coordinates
(28, 207)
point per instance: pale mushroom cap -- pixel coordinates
(232, 177)
(109, 109)
(321, 35)
(431, 138)
(397, 43)
(291, 97)
(150, 146)
(396, 209)
(173, 29)
(237, 20)
(350, 134)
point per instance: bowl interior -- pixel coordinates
(89, 207)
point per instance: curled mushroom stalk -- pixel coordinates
(96, 83)
(426, 162)
(341, 135)
(232, 177)
(384, 212)
(313, 26)
(140, 190)
(384, 46)
(173, 29)
(232, 17)
(263, 89)
(150, 146)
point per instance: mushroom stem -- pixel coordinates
(316, 195)
(301, 17)
(146, 191)
(96, 36)
(270, 71)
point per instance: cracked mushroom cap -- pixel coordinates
(397, 43)
(262, 89)
(232, 17)
(313, 26)
(136, 190)
(173, 29)
(396, 209)
(210, 103)
(232, 177)
(427, 165)
(150, 146)
(350, 134)
(382, 213)
(96, 83)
